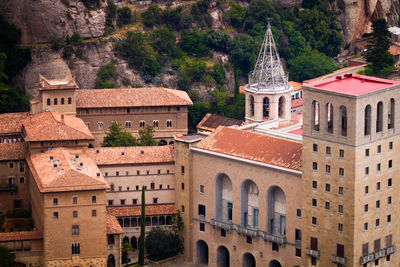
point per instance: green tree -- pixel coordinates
(382, 62)
(195, 43)
(152, 16)
(310, 65)
(117, 137)
(236, 15)
(126, 247)
(244, 53)
(111, 12)
(163, 41)
(161, 244)
(146, 137)
(142, 230)
(106, 76)
(219, 40)
(6, 257)
(124, 16)
(76, 39)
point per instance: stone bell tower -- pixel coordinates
(268, 91)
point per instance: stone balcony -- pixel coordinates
(10, 187)
(377, 255)
(281, 240)
(340, 260)
(313, 253)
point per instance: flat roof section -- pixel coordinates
(351, 84)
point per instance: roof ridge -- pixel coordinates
(78, 130)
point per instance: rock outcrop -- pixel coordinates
(41, 20)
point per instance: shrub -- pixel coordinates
(152, 16)
(235, 15)
(68, 52)
(219, 40)
(57, 43)
(161, 244)
(76, 39)
(124, 16)
(194, 43)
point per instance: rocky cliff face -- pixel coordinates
(40, 20)
(356, 15)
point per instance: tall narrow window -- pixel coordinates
(69, 100)
(315, 115)
(55, 101)
(379, 117)
(62, 101)
(251, 106)
(48, 101)
(391, 114)
(343, 120)
(266, 107)
(281, 107)
(367, 120)
(329, 117)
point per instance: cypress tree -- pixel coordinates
(142, 231)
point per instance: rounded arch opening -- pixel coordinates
(274, 263)
(315, 115)
(329, 117)
(201, 252)
(248, 260)
(249, 204)
(125, 240)
(111, 261)
(367, 120)
(223, 257)
(276, 211)
(223, 198)
(162, 143)
(266, 107)
(251, 106)
(343, 120)
(281, 107)
(134, 242)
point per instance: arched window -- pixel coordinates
(249, 204)
(112, 187)
(276, 211)
(248, 260)
(379, 117)
(69, 100)
(251, 106)
(62, 101)
(48, 101)
(315, 115)
(329, 117)
(266, 107)
(391, 113)
(343, 120)
(222, 256)
(201, 252)
(281, 107)
(223, 198)
(134, 242)
(55, 101)
(367, 120)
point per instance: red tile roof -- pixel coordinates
(64, 171)
(131, 155)
(255, 147)
(342, 71)
(55, 126)
(11, 122)
(131, 97)
(112, 225)
(211, 121)
(13, 151)
(296, 103)
(19, 236)
(352, 84)
(157, 209)
(295, 85)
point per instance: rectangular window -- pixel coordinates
(94, 213)
(202, 189)
(298, 252)
(328, 150)
(93, 199)
(134, 201)
(314, 243)
(366, 171)
(21, 180)
(367, 152)
(366, 190)
(389, 201)
(55, 201)
(315, 166)
(75, 229)
(223, 233)
(341, 172)
(122, 201)
(155, 200)
(377, 223)
(328, 169)
(74, 200)
(75, 214)
(314, 184)
(183, 208)
(155, 123)
(327, 205)
(229, 210)
(390, 145)
(314, 202)
(255, 217)
(183, 186)
(341, 191)
(21, 167)
(202, 210)
(388, 241)
(378, 204)
(390, 164)
(340, 250)
(340, 227)
(341, 153)
(389, 218)
(314, 220)
(327, 187)
(379, 149)
(377, 245)
(76, 249)
(365, 249)
(378, 186)
(202, 227)
(315, 147)
(378, 167)
(11, 181)
(298, 212)
(183, 169)
(55, 215)
(340, 208)
(365, 226)
(366, 208)
(297, 234)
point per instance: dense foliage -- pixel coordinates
(106, 76)
(12, 59)
(161, 244)
(7, 258)
(117, 137)
(381, 62)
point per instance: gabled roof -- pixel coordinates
(156, 209)
(131, 97)
(211, 121)
(62, 169)
(20, 236)
(112, 225)
(253, 146)
(55, 126)
(13, 151)
(60, 84)
(10, 123)
(131, 155)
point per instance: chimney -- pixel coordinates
(62, 118)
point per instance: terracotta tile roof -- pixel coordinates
(295, 85)
(254, 146)
(23, 235)
(112, 225)
(34, 101)
(13, 151)
(51, 125)
(60, 169)
(11, 122)
(131, 155)
(211, 121)
(66, 83)
(296, 103)
(157, 209)
(131, 97)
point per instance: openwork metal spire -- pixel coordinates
(268, 73)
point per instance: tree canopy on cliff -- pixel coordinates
(381, 62)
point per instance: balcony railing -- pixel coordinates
(313, 253)
(10, 187)
(248, 231)
(377, 255)
(337, 259)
